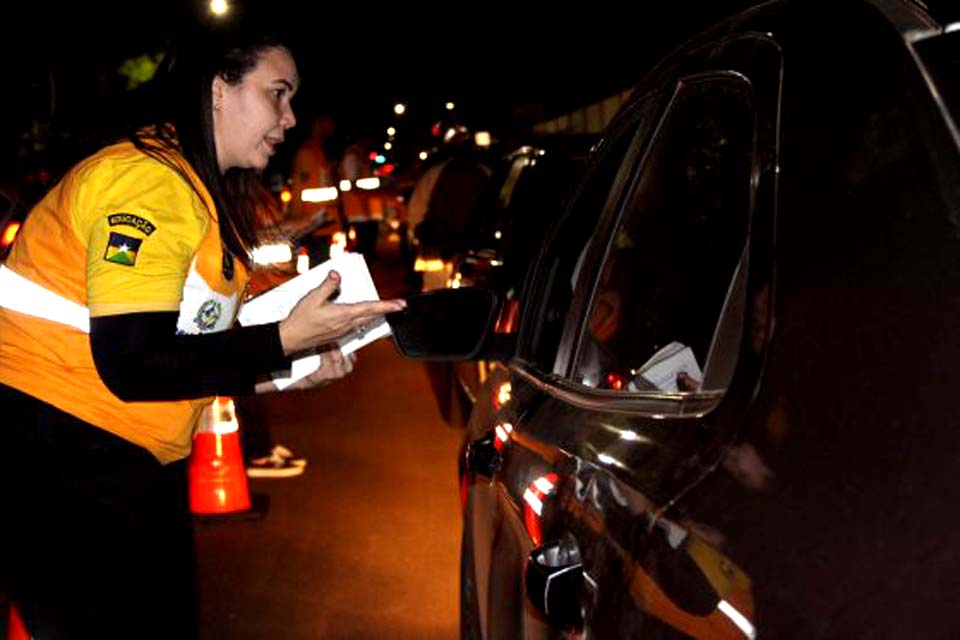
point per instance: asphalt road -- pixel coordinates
(366, 543)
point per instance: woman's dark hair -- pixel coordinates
(176, 119)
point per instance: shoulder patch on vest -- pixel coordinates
(142, 225)
(122, 249)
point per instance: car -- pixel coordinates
(729, 408)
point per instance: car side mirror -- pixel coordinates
(444, 324)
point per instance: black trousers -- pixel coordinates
(95, 534)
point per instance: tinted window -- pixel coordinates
(673, 278)
(559, 269)
(941, 55)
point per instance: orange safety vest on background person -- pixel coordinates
(310, 170)
(121, 233)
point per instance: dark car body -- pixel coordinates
(781, 197)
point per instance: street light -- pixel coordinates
(399, 108)
(219, 7)
(391, 131)
(450, 106)
(388, 146)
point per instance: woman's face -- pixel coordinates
(250, 117)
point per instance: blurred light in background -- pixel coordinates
(319, 194)
(219, 7)
(272, 254)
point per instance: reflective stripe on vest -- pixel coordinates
(20, 294)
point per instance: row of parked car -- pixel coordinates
(705, 417)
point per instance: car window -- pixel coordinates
(941, 56)
(672, 283)
(562, 259)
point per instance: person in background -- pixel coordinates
(312, 168)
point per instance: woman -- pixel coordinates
(117, 303)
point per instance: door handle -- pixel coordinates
(554, 584)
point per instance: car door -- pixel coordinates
(595, 449)
(493, 561)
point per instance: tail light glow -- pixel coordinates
(9, 234)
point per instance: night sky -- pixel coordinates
(491, 59)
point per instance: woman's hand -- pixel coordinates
(333, 366)
(315, 320)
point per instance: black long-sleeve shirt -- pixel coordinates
(140, 356)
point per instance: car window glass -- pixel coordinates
(672, 283)
(569, 242)
(941, 56)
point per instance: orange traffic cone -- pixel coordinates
(218, 478)
(16, 630)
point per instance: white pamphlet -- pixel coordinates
(662, 368)
(356, 285)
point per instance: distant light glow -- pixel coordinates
(388, 145)
(503, 394)
(219, 7)
(422, 155)
(319, 194)
(399, 108)
(286, 196)
(429, 265)
(497, 234)
(482, 139)
(272, 254)
(450, 106)
(338, 244)
(605, 459)
(368, 183)
(9, 234)
(345, 185)
(391, 131)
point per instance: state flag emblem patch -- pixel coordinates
(122, 249)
